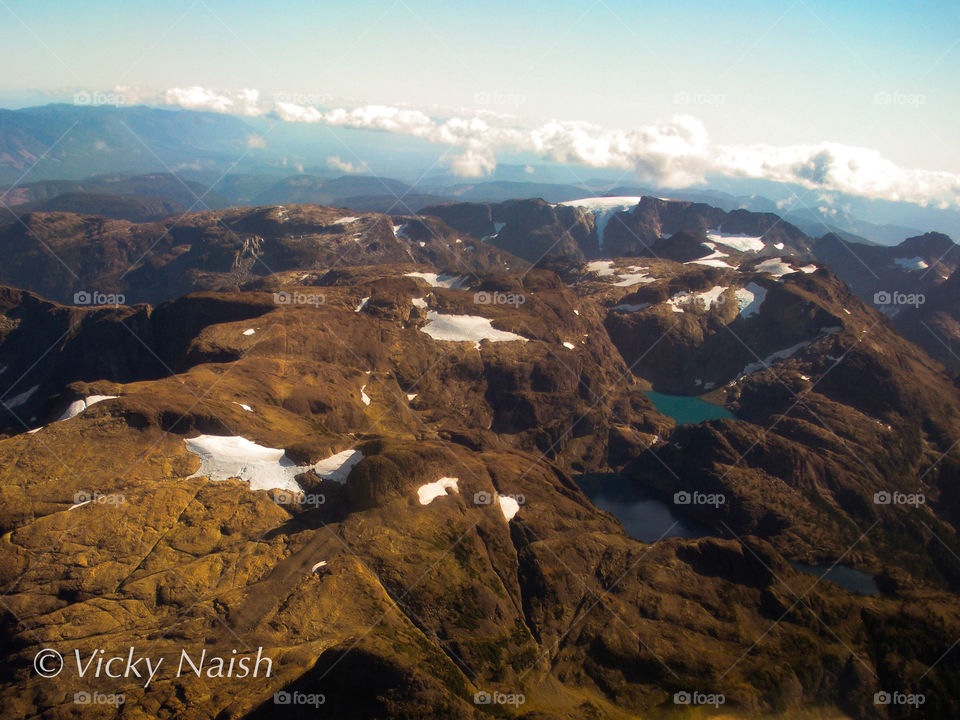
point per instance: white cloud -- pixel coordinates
(673, 153)
(237, 102)
(844, 168)
(344, 166)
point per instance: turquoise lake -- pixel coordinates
(688, 410)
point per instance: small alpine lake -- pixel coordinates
(688, 409)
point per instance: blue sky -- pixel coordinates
(778, 73)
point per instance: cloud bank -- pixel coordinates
(673, 153)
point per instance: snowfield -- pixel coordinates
(743, 243)
(750, 298)
(681, 301)
(78, 406)
(778, 268)
(431, 491)
(263, 468)
(632, 275)
(444, 280)
(465, 328)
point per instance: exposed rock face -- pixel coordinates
(392, 602)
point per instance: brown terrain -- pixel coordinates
(311, 318)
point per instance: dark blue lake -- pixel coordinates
(846, 577)
(688, 410)
(643, 517)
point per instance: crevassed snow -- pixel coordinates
(603, 209)
(750, 298)
(249, 331)
(337, 467)
(914, 263)
(78, 406)
(345, 220)
(444, 280)
(710, 297)
(362, 304)
(431, 491)
(743, 243)
(569, 346)
(225, 457)
(20, 399)
(465, 328)
(363, 396)
(508, 506)
(420, 303)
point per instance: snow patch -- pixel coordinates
(508, 506)
(444, 280)
(420, 303)
(362, 304)
(431, 491)
(742, 243)
(363, 396)
(78, 406)
(249, 331)
(263, 468)
(346, 220)
(750, 298)
(465, 328)
(569, 346)
(244, 406)
(680, 301)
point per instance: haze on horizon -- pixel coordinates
(860, 100)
